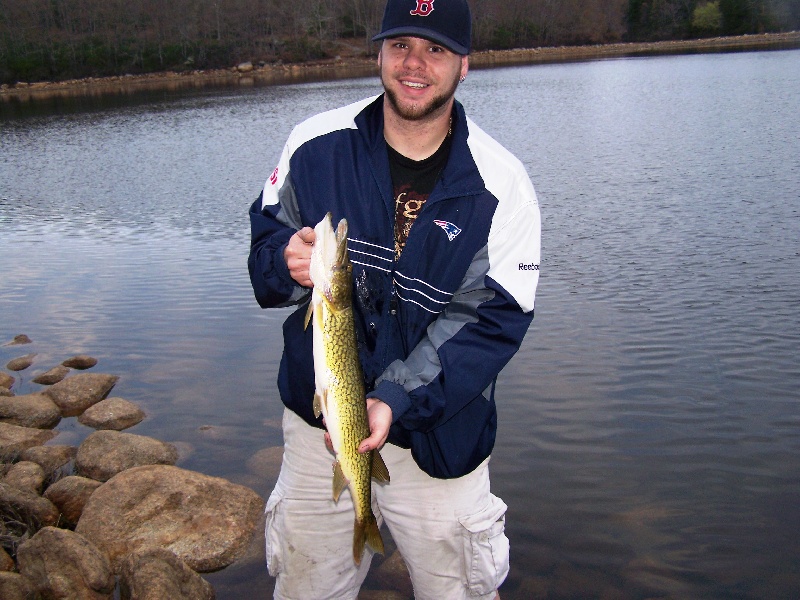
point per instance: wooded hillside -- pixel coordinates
(63, 39)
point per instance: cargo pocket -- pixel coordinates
(272, 534)
(485, 547)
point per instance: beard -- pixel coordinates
(417, 112)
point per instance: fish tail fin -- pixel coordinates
(366, 533)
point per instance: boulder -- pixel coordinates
(75, 394)
(80, 362)
(105, 453)
(4, 391)
(19, 340)
(14, 439)
(156, 574)
(26, 507)
(71, 494)
(64, 564)
(31, 410)
(244, 67)
(6, 564)
(21, 363)
(52, 376)
(6, 380)
(26, 475)
(206, 521)
(14, 586)
(50, 458)
(112, 413)
(266, 463)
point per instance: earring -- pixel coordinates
(462, 78)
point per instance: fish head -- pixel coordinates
(331, 270)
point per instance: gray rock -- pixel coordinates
(21, 363)
(206, 521)
(157, 574)
(71, 494)
(266, 463)
(75, 394)
(50, 458)
(112, 413)
(105, 453)
(14, 586)
(26, 475)
(14, 439)
(31, 410)
(80, 362)
(64, 564)
(6, 380)
(26, 507)
(52, 376)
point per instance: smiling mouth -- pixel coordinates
(415, 85)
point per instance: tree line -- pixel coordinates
(64, 39)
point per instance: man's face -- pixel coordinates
(420, 77)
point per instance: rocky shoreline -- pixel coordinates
(114, 514)
(248, 74)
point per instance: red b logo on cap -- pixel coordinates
(424, 8)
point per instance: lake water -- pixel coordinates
(649, 440)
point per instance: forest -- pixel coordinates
(53, 40)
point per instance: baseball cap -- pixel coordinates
(446, 22)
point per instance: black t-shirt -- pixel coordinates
(413, 181)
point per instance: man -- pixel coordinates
(444, 233)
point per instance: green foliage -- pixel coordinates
(707, 18)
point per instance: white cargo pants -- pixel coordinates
(450, 532)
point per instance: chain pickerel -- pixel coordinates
(340, 395)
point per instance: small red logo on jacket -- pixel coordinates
(273, 179)
(424, 8)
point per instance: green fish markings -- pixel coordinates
(340, 397)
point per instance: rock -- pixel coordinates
(21, 363)
(80, 362)
(64, 564)
(19, 340)
(50, 458)
(14, 439)
(26, 507)
(392, 574)
(6, 564)
(244, 67)
(105, 453)
(112, 413)
(14, 586)
(266, 463)
(6, 380)
(71, 494)
(26, 475)
(156, 574)
(31, 410)
(75, 394)
(52, 376)
(4, 391)
(206, 521)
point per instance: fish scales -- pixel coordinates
(339, 382)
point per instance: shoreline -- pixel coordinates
(345, 68)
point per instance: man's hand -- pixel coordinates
(379, 416)
(298, 255)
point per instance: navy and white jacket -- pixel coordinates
(434, 327)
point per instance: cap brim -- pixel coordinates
(427, 34)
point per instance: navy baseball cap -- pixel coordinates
(446, 22)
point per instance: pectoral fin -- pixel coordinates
(379, 470)
(309, 312)
(317, 405)
(339, 481)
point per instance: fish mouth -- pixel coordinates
(329, 253)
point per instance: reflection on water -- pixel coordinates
(649, 426)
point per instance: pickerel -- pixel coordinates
(340, 395)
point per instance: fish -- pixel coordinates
(339, 382)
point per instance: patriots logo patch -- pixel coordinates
(449, 228)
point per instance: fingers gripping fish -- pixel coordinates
(340, 395)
